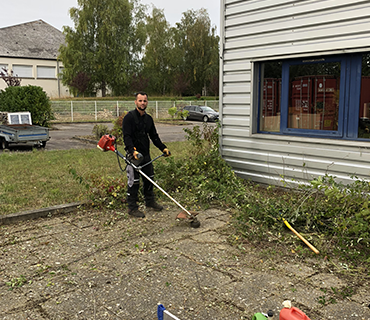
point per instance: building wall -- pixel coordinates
(52, 86)
(253, 31)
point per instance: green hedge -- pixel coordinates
(27, 98)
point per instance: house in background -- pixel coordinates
(31, 50)
(295, 89)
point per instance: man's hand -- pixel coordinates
(166, 152)
(136, 155)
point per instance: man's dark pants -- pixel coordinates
(133, 185)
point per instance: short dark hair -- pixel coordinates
(142, 93)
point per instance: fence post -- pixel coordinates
(117, 109)
(72, 110)
(205, 102)
(96, 112)
(156, 109)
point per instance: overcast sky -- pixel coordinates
(56, 13)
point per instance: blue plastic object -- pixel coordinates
(160, 310)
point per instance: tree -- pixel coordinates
(10, 79)
(139, 83)
(157, 58)
(181, 84)
(105, 44)
(198, 43)
(81, 82)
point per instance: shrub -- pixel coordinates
(100, 130)
(104, 192)
(28, 98)
(172, 112)
(117, 128)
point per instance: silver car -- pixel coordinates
(201, 113)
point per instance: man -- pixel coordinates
(137, 128)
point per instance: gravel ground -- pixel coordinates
(106, 265)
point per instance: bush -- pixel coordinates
(117, 128)
(100, 130)
(172, 112)
(104, 192)
(28, 98)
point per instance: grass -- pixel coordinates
(38, 179)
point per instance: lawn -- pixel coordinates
(38, 179)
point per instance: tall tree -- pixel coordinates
(198, 43)
(105, 44)
(157, 58)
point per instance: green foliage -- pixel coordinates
(204, 177)
(100, 130)
(158, 61)
(104, 192)
(182, 60)
(331, 297)
(16, 282)
(105, 44)
(28, 98)
(324, 207)
(117, 129)
(172, 112)
(183, 114)
(197, 50)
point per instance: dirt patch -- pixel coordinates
(98, 265)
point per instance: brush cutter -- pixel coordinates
(108, 143)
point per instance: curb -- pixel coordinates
(40, 213)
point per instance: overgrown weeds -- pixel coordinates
(323, 208)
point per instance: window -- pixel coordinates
(364, 123)
(3, 66)
(46, 72)
(22, 71)
(321, 97)
(19, 118)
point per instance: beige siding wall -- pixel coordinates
(253, 31)
(52, 86)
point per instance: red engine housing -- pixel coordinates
(106, 143)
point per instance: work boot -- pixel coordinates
(155, 206)
(136, 213)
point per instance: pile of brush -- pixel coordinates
(3, 117)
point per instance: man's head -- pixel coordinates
(141, 101)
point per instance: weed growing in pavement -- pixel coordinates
(16, 282)
(331, 297)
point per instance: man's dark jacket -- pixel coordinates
(137, 130)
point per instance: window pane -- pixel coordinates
(364, 123)
(314, 96)
(22, 71)
(46, 72)
(270, 96)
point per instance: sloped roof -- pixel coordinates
(35, 39)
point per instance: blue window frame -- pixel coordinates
(325, 97)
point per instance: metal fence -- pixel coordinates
(75, 111)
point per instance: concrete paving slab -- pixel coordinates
(91, 264)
